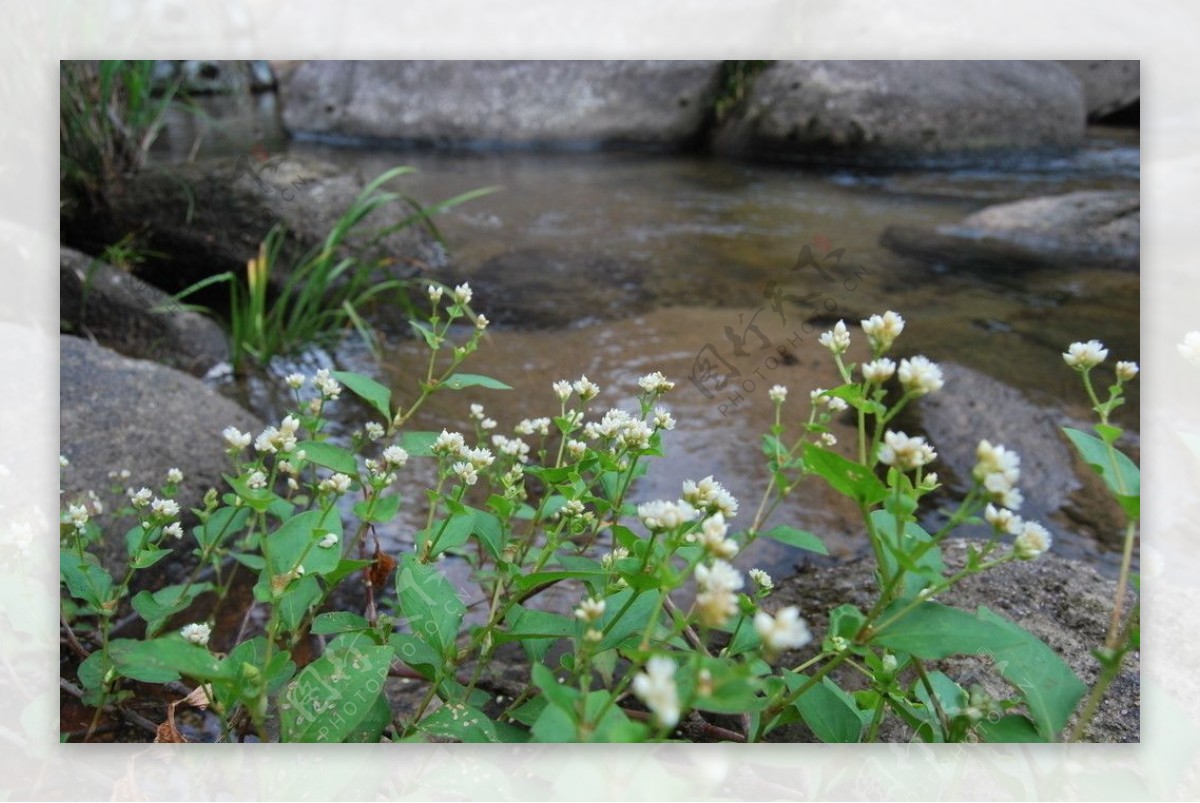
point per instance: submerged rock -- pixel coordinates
(897, 111)
(1091, 228)
(1109, 87)
(129, 316)
(501, 103)
(118, 413)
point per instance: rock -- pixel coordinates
(118, 413)
(502, 103)
(1091, 228)
(534, 289)
(119, 310)
(209, 217)
(214, 77)
(1109, 87)
(1064, 603)
(901, 111)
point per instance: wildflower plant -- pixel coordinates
(545, 502)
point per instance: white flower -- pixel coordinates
(449, 443)
(562, 389)
(395, 456)
(236, 438)
(462, 293)
(1003, 520)
(655, 383)
(710, 496)
(295, 381)
(256, 480)
(139, 498)
(1033, 541)
(571, 509)
(167, 508)
(481, 322)
(712, 537)
(837, 340)
(836, 403)
(612, 557)
(1127, 370)
(576, 449)
(1082, 356)
(878, 371)
(882, 330)
(477, 412)
(717, 600)
(586, 388)
(761, 579)
(656, 688)
(197, 633)
(662, 515)
(663, 419)
(904, 452)
(326, 385)
(266, 440)
(466, 473)
(174, 529)
(174, 475)
(435, 293)
(590, 610)
(828, 439)
(777, 394)
(531, 426)
(330, 540)
(479, 456)
(338, 483)
(920, 376)
(374, 430)
(78, 515)
(998, 469)
(1190, 347)
(63, 462)
(783, 631)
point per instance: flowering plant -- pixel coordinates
(548, 506)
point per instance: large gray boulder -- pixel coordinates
(129, 316)
(1108, 86)
(1090, 228)
(890, 111)
(545, 103)
(116, 413)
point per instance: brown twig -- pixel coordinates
(129, 716)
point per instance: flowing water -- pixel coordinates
(616, 264)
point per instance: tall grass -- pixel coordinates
(323, 292)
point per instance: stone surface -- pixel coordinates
(199, 77)
(892, 111)
(1064, 603)
(1108, 86)
(211, 216)
(1091, 228)
(501, 102)
(129, 316)
(118, 413)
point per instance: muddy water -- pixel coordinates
(615, 265)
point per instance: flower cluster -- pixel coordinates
(837, 340)
(882, 330)
(717, 598)
(1085, 356)
(904, 452)
(920, 376)
(783, 631)
(998, 469)
(656, 688)
(663, 515)
(710, 496)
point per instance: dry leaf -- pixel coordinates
(377, 572)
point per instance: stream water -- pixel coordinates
(616, 264)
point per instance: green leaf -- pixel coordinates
(920, 571)
(450, 533)
(632, 621)
(156, 607)
(344, 569)
(338, 622)
(489, 530)
(829, 711)
(221, 525)
(149, 557)
(801, 539)
(331, 457)
(430, 603)
(297, 542)
(297, 600)
(257, 499)
(419, 444)
(1013, 728)
(850, 478)
(86, 579)
(1120, 474)
(416, 653)
(431, 338)
(165, 659)
(368, 390)
(370, 729)
(536, 629)
(331, 696)
(93, 669)
(384, 510)
(460, 381)
(461, 723)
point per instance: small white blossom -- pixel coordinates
(256, 480)
(435, 293)
(655, 383)
(1003, 520)
(329, 541)
(236, 438)
(586, 388)
(662, 515)
(63, 462)
(663, 419)
(295, 381)
(828, 439)
(837, 340)
(338, 483)
(449, 443)
(479, 456)
(656, 688)
(590, 610)
(920, 376)
(395, 456)
(374, 430)
(783, 631)
(878, 371)
(882, 330)
(1082, 356)
(777, 394)
(481, 322)
(717, 598)
(1032, 542)
(465, 472)
(836, 403)
(761, 579)
(477, 412)
(174, 475)
(462, 293)
(710, 496)
(562, 389)
(576, 449)
(168, 508)
(174, 529)
(139, 498)
(904, 452)
(1127, 370)
(612, 557)
(78, 515)
(326, 385)
(712, 537)
(197, 633)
